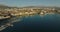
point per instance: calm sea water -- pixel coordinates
(46, 23)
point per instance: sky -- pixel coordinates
(22, 3)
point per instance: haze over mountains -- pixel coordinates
(4, 6)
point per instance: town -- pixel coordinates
(8, 12)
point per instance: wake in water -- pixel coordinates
(9, 23)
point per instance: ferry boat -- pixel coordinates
(2, 17)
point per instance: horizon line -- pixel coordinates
(29, 5)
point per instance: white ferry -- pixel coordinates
(2, 17)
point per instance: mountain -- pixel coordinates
(41, 7)
(4, 6)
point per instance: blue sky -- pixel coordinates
(22, 3)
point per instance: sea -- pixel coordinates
(33, 23)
